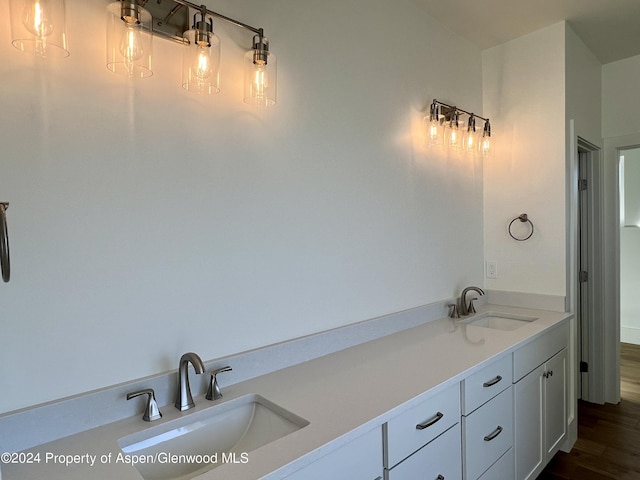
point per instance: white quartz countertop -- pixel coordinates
(342, 395)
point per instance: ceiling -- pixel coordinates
(609, 28)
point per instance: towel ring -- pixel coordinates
(4, 243)
(523, 218)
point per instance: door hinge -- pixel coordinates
(583, 276)
(582, 184)
(584, 367)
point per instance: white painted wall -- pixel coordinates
(524, 95)
(145, 222)
(620, 100)
(583, 89)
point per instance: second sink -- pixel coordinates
(209, 438)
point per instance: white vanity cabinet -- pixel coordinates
(360, 459)
(424, 441)
(540, 402)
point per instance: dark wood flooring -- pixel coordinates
(608, 445)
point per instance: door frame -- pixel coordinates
(589, 293)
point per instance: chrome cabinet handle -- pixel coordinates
(439, 477)
(4, 243)
(548, 374)
(431, 421)
(493, 434)
(491, 383)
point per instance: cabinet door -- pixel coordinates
(555, 403)
(528, 417)
(361, 459)
(440, 459)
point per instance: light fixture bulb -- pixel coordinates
(453, 139)
(260, 82)
(202, 66)
(36, 17)
(434, 129)
(485, 144)
(129, 41)
(201, 58)
(131, 45)
(470, 140)
(260, 74)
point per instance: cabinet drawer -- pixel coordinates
(482, 386)
(502, 469)
(440, 457)
(535, 353)
(487, 434)
(416, 427)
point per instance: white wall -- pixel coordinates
(145, 222)
(524, 95)
(620, 99)
(583, 89)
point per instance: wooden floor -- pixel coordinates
(608, 445)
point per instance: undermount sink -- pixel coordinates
(499, 320)
(200, 441)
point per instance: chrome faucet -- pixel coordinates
(184, 400)
(465, 309)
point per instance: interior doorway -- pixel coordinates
(589, 274)
(629, 198)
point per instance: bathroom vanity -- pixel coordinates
(482, 398)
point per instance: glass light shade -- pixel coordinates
(201, 63)
(485, 146)
(260, 71)
(470, 138)
(129, 42)
(435, 132)
(38, 26)
(453, 135)
(485, 140)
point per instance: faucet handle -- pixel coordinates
(214, 393)
(453, 311)
(472, 308)
(151, 412)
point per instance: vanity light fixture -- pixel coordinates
(38, 26)
(129, 52)
(444, 127)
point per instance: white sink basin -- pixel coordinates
(200, 441)
(499, 320)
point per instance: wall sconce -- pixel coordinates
(129, 52)
(444, 128)
(38, 26)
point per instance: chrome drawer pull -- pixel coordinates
(493, 434)
(491, 383)
(428, 423)
(440, 477)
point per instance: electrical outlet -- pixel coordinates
(492, 270)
